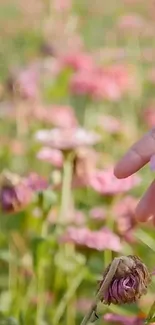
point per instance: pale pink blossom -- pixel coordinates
(104, 182)
(52, 156)
(100, 240)
(67, 139)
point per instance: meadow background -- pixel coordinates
(86, 70)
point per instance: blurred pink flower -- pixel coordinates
(67, 139)
(35, 182)
(152, 163)
(131, 22)
(124, 213)
(52, 156)
(104, 182)
(149, 116)
(124, 320)
(83, 305)
(59, 116)
(109, 83)
(62, 5)
(25, 83)
(99, 240)
(75, 217)
(78, 61)
(98, 213)
(110, 124)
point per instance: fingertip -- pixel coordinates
(141, 213)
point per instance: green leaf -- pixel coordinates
(13, 221)
(151, 314)
(145, 238)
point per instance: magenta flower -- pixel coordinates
(52, 156)
(129, 283)
(123, 320)
(67, 139)
(99, 240)
(104, 182)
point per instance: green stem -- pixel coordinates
(101, 291)
(66, 188)
(67, 297)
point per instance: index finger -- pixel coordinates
(137, 156)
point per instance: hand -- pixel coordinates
(135, 158)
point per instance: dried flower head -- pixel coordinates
(129, 282)
(14, 194)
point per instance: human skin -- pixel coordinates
(135, 158)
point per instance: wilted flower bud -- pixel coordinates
(14, 195)
(129, 282)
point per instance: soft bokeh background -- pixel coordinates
(71, 64)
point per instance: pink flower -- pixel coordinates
(99, 240)
(124, 320)
(36, 182)
(25, 84)
(67, 139)
(82, 83)
(131, 22)
(78, 61)
(52, 156)
(124, 212)
(59, 116)
(62, 5)
(98, 213)
(109, 83)
(152, 163)
(104, 182)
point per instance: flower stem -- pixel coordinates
(102, 290)
(66, 188)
